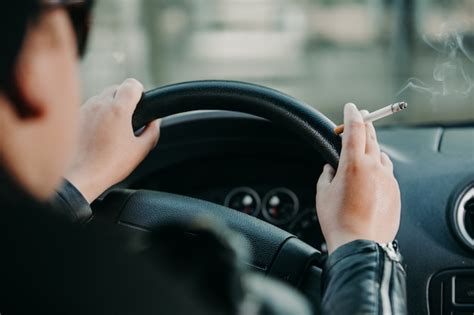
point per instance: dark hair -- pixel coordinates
(14, 20)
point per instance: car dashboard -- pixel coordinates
(251, 165)
(279, 192)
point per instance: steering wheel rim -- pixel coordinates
(311, 125)
(275, 251)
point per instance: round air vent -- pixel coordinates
(464, 216)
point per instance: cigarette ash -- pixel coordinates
(451, 80)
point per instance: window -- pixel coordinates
(323, 52)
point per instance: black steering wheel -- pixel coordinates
(274, 251)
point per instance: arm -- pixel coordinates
(359, 210)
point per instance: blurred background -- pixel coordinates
(326, 53)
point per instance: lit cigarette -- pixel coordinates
(378, 114)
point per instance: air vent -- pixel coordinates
(464, 217)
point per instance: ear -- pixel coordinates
(36, 71)
(21, 92)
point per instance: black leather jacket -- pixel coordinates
(363, 277)
(48, 265)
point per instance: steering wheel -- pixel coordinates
(274, 251)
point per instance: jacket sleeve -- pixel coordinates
(364, 277)
(71, 204)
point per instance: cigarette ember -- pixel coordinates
(378, 114)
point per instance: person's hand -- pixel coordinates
(108, 148)
(362, 199)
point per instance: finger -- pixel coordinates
(371, 146)
(150, 136)
(353, 139)
(326, 176)
(129, 94)
(386, 161)
(109, 92)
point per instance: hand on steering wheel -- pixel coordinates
(108, 149)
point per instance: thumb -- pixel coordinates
(150, 136)
(326, 177)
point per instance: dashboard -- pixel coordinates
(290, 209)
(281, 207)
(250, 165)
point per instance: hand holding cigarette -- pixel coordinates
(361, 199)
(378, 114)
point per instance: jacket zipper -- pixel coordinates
(389, 255)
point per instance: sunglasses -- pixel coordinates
(79, 12)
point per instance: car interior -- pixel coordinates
(260, 169)
(250, 155)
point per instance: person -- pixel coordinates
(53, 260)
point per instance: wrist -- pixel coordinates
(340, 239)
(89, 189)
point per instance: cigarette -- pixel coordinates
(378, 114)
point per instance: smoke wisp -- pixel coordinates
(450, 78)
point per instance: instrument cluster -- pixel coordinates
(280, 207)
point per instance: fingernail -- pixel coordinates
(364, 113)
(351, 106)
(327, 168)
(139, 132)
(134, 81)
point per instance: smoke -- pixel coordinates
(450, 79)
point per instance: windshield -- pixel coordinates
(326, 53)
